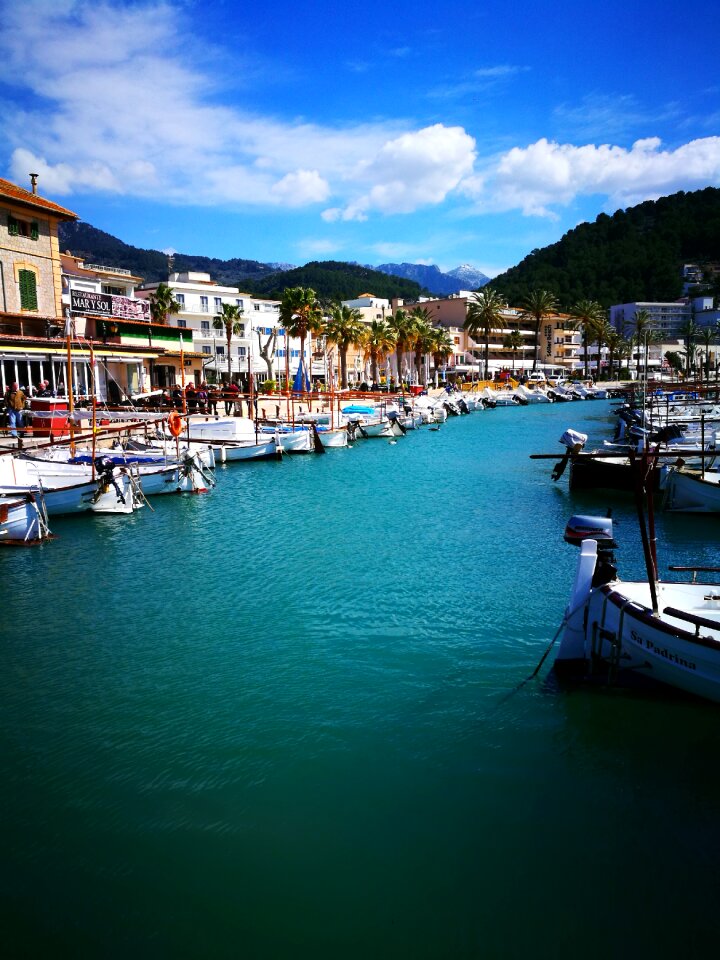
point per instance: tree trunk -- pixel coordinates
(343, 367)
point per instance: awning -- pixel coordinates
(117, 358)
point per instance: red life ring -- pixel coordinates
(175, 423)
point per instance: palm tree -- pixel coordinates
(162, 304)
(344, 328)
(537, 305)
(422, 337)
(641, 334)
(513, 341)
(603, 330)
(229, 321)
(689, 332)
(484, 316)
(441, 346)
(587, 316)
(707, 336)
(301, 314)
(379, 343)
(612, 339)
(403, 326)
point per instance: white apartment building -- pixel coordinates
(201, 301)
(667, 318)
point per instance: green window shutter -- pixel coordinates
(12, 226)
(28, 290)
(34, 230)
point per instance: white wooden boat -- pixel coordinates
(230, 452)
(117, 492)
(333, 438)
(692, 491)
(23, 520)
(664, 631)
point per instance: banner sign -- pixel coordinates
(109, 305)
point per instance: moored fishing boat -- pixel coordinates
(664, 631)
(692, 491)
(230, 451)
(117, 490)
(23, 519)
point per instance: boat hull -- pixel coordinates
(21, 520)
(690, 493)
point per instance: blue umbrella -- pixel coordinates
(302, 380)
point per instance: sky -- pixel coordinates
(454, 133)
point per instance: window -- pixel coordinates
(28, 290)
(281, 352)
(204, 304)
(205, 326)
(281, 332)
(181, 322)
(242, 351)
(180, 297)
(207, 349)
(114, 291)
(256, 306)
(220, 351)
(218, 304)
(21, 228)
(239, 303)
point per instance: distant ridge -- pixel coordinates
(334, 280)
(433, 279)
(96, 246)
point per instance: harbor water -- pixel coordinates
(277, 720)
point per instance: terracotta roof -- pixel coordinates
(12, 192)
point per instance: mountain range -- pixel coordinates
(433, 279)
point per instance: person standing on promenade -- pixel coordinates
(231, 396)
(16, 410)
(212, 399)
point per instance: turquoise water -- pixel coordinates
(272, 721)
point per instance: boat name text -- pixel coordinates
(662, 652)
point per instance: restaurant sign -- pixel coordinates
(109, 305)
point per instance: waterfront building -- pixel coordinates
(31, 311)
(129, 351)
(451, 312)
(201, 301)
(667, 318)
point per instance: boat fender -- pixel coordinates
(175, 423)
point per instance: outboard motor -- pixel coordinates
(574, 442)
(583, 527)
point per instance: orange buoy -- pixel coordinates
(175, 423)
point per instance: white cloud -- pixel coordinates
(109, 101)
(412, 171)
(546, 175)
(300, 188)
(112, 103)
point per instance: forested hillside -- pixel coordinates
(635, 254)
(334, 280)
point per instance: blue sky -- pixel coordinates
(435, 133)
